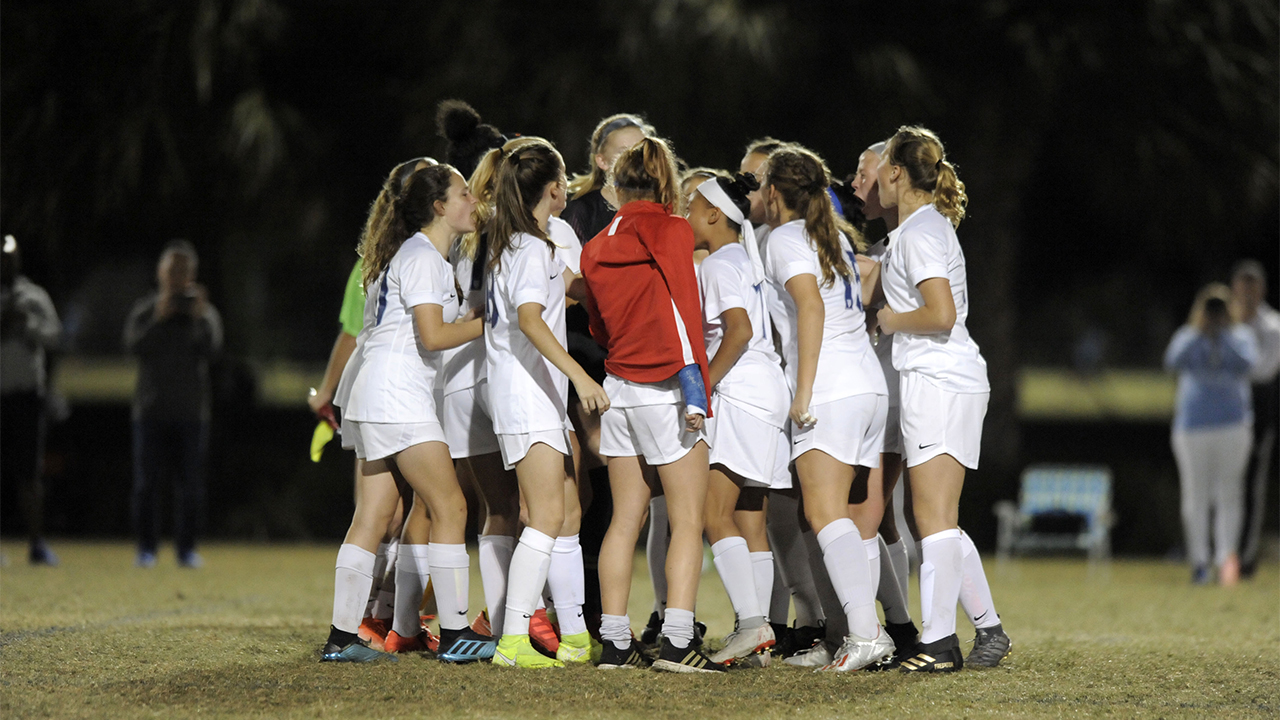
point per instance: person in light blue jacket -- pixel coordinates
(1212, 429)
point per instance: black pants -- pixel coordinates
(1263, 468)
(22, 432)
(169, 452)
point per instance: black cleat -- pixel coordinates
(936, 657)
(649, 636)
(611, 658)
(797, 640)
(990, 646)
(905, 636)
(685, 660)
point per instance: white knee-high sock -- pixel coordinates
(412, 570)
(352, 578)
(733, 562)
(385, 606)
(940, 572)
(567, 581)
(656, 552)
(872, 548)
(779, 597)
(529, 564)
(975, 594)
(792, 552)
(889, 592)
(846, 560)
(762, 572)
(495, 560)
(379, 569)
(901, 570)
(451, 578)
(829, 601)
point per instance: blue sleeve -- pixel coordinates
(1239, 352)
(695, 393)
(1186, 350)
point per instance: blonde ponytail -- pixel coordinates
(948, 194)
(919, 151)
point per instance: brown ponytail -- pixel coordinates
(801, 179)
(396, 217)
(648, 171)
(920, 152)
(522, 175)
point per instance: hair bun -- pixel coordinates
(456, 121)
(747, 181)
(459, 124)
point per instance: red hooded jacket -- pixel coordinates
(634, 269)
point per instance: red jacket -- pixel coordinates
(633, 270)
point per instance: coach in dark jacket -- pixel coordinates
(174, 332)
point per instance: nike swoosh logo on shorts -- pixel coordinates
(926, 447)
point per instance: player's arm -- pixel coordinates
(811, 314)
(575, 288)
(439, 335)
(343, 347)
(872, 290)
(529, 317)
(737, 334)
(937, 315)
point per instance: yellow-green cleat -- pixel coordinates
(517, 651)
(579, 648)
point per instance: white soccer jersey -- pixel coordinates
(397, 375)
(925, 246)
(463, 367)
(883, 347)
(526, 392)
(755, 382)
(846, 365)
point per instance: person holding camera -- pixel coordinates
(1212, 429)
(174, 332)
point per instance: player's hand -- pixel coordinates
(321, 403)
(591, 395)
(799, 414)
(693, 422)
(474, 313)
(885, 318)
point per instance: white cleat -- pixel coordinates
(858, 652)
(815, 657)
(742, 644)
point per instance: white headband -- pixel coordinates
(716, 195)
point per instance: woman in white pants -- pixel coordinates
(1212, 430)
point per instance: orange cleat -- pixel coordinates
(543, 633)
(373, 631)
(419, 643)
(481, 625)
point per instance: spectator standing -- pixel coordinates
(1211, 429)
(28, 327)
(1249, 307)
(174, 332)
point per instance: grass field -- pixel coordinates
(98, 638)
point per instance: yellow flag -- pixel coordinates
(320, 438)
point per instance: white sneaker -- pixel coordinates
(817, 656)
(741, 644)
(858, 652)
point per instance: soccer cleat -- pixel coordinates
(990, 646)
(396, 643)
(904, 636)
(374, 632)
(938, 656)
(579, 648)
(145, 559)
(463, 646)
(685, 660)
(481, 626)
(649, 636)
(699, 632)
(354, 652)
(40, 554)
(543, 633)
(517, 651)
(797, 640)
(190, 560)
(858, 652)
(815, 657)
(612, 658)
(742, 644)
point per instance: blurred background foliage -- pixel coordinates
(1117, 155)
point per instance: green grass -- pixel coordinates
(98, 638)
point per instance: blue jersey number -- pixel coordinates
(764, 311)
(853, 299)
(490, 306)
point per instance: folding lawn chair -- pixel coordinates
(1060, 507)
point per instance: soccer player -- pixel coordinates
(642, 299)
(840, 400)
(749, 406)
(944, 388)
(391, 411)
(529, 371)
